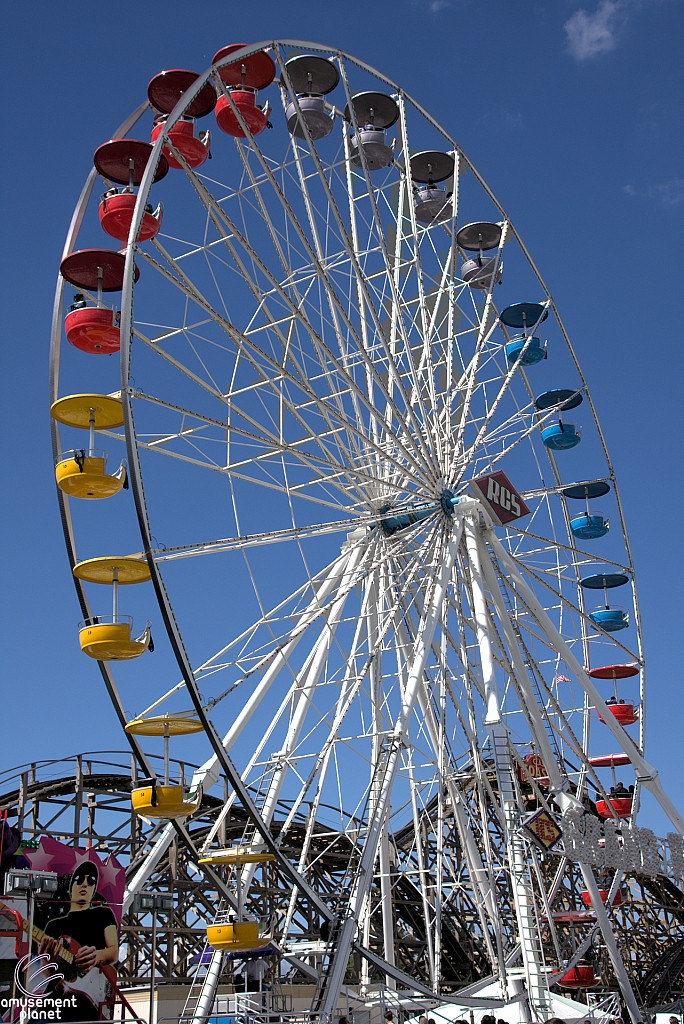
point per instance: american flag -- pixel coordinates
(562, 679)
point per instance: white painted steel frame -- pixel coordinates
(421, 445)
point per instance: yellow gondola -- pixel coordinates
(81, 473)
(109, 637)
(241, 936)
(236, 856)
(167, 800)
(237, 936)
(162, 802)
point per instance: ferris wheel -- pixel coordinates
(369, 522)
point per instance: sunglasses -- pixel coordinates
(84, 876)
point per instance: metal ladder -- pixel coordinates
(521, 880)
(199, 1001)
(322, 983)
(529, 931)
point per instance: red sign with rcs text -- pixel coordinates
(503, 502)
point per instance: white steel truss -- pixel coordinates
(302, 361)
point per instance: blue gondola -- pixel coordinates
(607, 618)
(610, 619)
(561, 436)
(589, 525)
(534, 353)
(525, 314)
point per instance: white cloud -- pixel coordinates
(514, 122)
(670, 193)
(589, 35)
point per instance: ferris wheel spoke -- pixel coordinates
(500, 438)
(276, 659)
(277, 447)
(372, 561)
(353, 259)
(219, 218)
(484, 428)
(326, 639)
(583, 616)
(305, 686)
(572, 550)
(466, 386)
(340, 313)
(282, 488)
(446, 290)
(349, 690)
(485, 330)
(245, 344)
(258, 539)
(332, 302)
(362, 285)
(425, 332)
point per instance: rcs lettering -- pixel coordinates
(501, 496)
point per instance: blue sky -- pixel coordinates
(572, 113)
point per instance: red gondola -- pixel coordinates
(624, 712)
(571, 917)
(622, 805)
(194, 149)
(123, 161)
(581, 976)
(617, 898)
(116, 216)
(164, 91)
(244, 79)
(94, 329)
